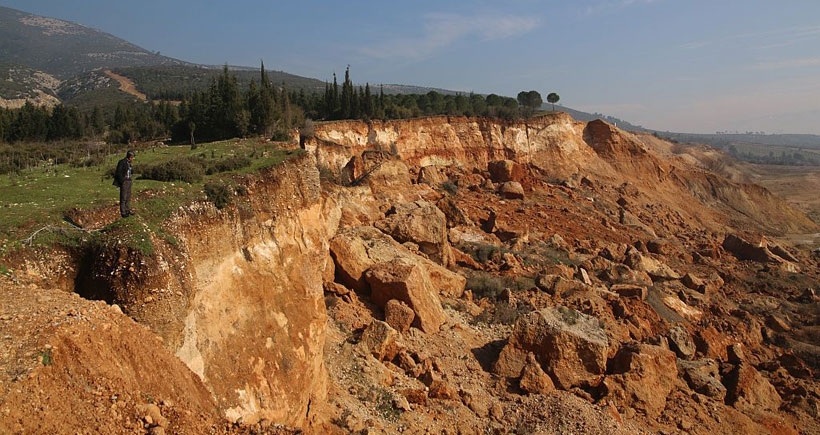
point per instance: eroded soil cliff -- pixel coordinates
(439, 275)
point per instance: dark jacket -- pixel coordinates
(123, 172)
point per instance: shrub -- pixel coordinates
(229, 164)
(280, 135)
(484, 285)
(449, 186)
(482, 252)
(219, 193)
(189, 170)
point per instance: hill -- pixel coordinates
(65, 49)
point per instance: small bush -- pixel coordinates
(45, 357)
(189, 170)
(229, 164)
(484, 285)
(280, 136)
(449, 186)
(504, 313)
(219, 193)
(482, 252)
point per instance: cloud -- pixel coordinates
(764, 40)
(695, 45)
(442, 30)
(788, 63)
(610, 5)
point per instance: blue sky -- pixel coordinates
(678, 65)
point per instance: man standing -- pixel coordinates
(122, 179)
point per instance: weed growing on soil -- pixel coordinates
(45, 356)
(384, 403)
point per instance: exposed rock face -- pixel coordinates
(759, 252)
(570, 346)
(502, 171)
(644, 375)
(398, 315)
(511, 190)
(533, 379)
(559, 148)
(380, 340)
(422, 223)
(406, 281)
(681, 342)
(237, 298)
(748, 390)
(254, 329)
(357, 249)
(703, 376)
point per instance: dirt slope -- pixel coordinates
(691, 320)
(126, 85)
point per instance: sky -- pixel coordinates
(697, 66)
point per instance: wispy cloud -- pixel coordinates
(695, 45)
(775, 38)
(610, 5)
(788, 63)
(442, 30)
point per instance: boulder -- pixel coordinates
(570, 346)
(645, 263)
(703, 377)
(505, 170)
(748, 391)
(629, 291)
(643, 376)
(454, 215)
(630, 220)
(533, 379)
(511, 190)
(556, 284)
(433, 175)
(380, 340)
(681, 342)
(422, 223)
(621, 273)
(357, 249)
(406, 281)
(659, 246)
(760, 252)
(398, 315)
(735, 353)
(693, 282)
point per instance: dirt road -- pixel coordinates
(126, 85)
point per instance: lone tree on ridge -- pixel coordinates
(553, 98)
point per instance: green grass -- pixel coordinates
(40, 196)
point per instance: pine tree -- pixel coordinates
(347, 96)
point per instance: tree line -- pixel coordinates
(223, 110)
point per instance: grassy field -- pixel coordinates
(37, 197)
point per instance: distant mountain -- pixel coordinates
(64, 49)
(584, 116)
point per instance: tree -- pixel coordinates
(553, 98)
(191, 129)
(531, 100)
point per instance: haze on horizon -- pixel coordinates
(686, 66)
